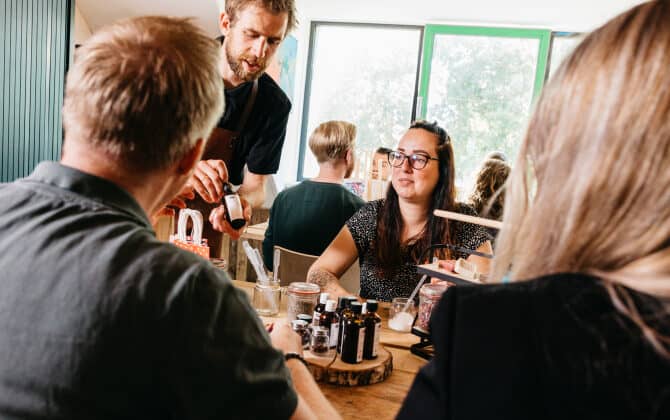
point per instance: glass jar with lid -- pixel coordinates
(320, 342)
(302, 329)
(301, 299)
(429, 295)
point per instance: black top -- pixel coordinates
(363, 228)
(261, 140)
(99, 320)
(307, 217)
(553, 348)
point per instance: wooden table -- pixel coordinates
(378, 401)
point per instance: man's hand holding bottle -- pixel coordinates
(210, 181)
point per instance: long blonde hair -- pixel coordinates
(590, 191)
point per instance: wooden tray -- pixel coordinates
(432, 270)
(334, 371)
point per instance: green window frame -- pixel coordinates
(431, 31)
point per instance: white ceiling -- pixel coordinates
(572, 15)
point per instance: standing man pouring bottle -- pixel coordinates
(252, 129)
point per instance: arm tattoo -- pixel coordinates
(322, 278)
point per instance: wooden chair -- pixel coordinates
(293, 266)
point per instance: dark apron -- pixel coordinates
(221, 146)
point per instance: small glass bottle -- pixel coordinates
(353, 336)
(320, 342)
(318, 310)
(373, 324)
(300, 327)
(331, 321)
(233, 205)
(345, 313)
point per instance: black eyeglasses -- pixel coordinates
(416, 161)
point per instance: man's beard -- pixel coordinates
(237, 67)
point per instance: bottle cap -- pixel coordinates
(305, 317)
(298, 324)
(341, 302)
(356, 307)
(323, 298)
(330, 306)
(372, 305)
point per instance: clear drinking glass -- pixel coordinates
(400, 320)
(267, 298)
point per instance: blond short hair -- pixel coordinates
(331, 140)
(144, 90)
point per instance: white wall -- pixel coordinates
(81, 28)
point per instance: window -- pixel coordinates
(562, 44)
(364, 74)
(479, 84)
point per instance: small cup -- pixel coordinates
(266, 299)
(400, 320)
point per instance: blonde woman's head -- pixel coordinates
(590, 191)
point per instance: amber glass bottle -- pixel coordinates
(353, 336)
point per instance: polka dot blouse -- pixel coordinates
(363, 228)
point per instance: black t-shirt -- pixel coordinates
(551, 348)
(306, 217)
(100, 320)
(260, 143)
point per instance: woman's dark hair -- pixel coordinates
(389, 249)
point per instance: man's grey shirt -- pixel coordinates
(100, 320)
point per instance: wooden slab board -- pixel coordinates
(433, 270)
(334, 371)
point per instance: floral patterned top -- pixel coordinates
(363, 228)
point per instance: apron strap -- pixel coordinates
(247, 107)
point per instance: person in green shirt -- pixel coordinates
(306, 217)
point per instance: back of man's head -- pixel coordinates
(142, 91)
(331, 140)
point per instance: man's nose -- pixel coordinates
(260, 47)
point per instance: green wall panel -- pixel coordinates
(35, 40)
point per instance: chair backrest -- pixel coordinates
(293, 266)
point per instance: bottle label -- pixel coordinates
(334, 333)
(315, 319)
(234, 206)
(375, 345)
(361, 340)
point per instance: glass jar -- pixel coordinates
(301, 299)
(300, 327)
(320, 342)
(267, 298)
(429, 295)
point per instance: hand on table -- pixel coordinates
(219, 222)
(208, 179)
(284, 338)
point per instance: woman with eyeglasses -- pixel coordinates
(390, 237)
